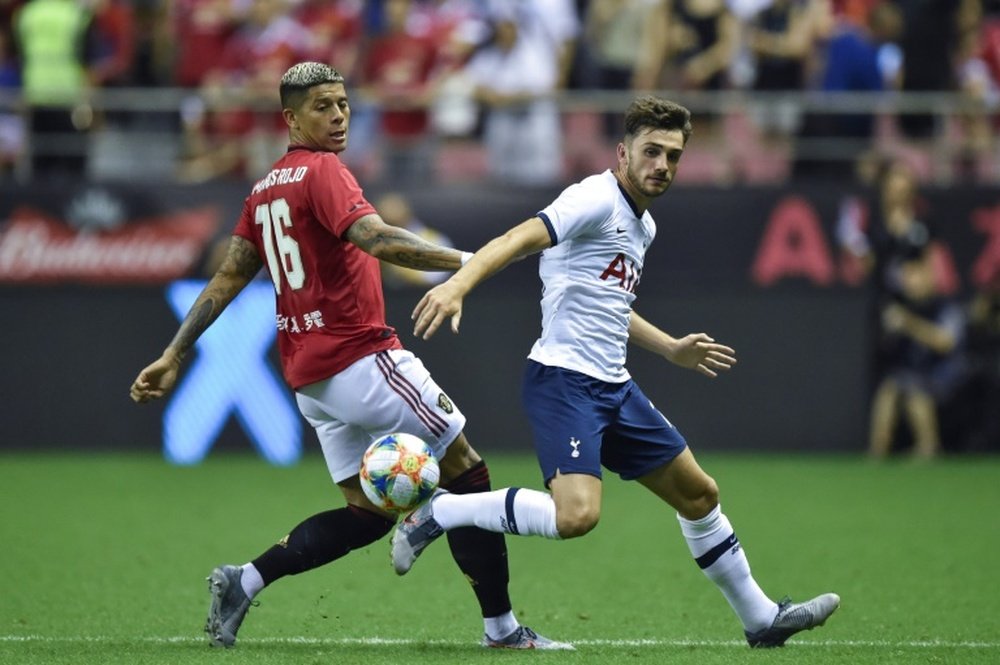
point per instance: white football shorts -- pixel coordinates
(386, 392)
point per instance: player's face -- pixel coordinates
(322, 119)
(648, 163)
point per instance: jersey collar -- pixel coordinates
(628, 199)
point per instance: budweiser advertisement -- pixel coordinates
(103, 235)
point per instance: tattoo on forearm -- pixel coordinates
(415, 252)
(401, 247)
(243, 258)
(198, 318)
(240, 265)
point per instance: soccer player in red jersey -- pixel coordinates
(309, 223)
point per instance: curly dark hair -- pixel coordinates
(650, 112)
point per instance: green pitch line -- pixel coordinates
(403, 642)
(105, 558)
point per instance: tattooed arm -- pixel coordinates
(240, 265)
(401, 247)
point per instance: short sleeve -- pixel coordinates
(244, 225)
(337, 198)
(577, 211)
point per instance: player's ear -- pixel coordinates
(290, 119)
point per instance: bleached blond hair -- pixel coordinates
(295, 83)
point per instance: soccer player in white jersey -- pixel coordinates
(308, 222)
(585, 410)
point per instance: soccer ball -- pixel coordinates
(399, 472)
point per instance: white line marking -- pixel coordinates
(389, 641)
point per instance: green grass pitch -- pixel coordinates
(104, 559)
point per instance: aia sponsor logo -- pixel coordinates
(623, 271)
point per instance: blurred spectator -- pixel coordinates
(111, 43)
(653, 57)
(7, 10)
(334, 32)
(989, 39)
(978, 70)
(609, 37)
(197, 36)
(516, 75)
(51, 36)
(556, 22)
(150, 66)
(931, 39)
(923, 334)
(858, 59)
(781, 39)
(399, 70)
(688, 44)
(979, 414)
(11, 122)
(898, 233)
(703, 34)
(855, 11)
(189, 41)
(458, 27)
(395, 209)
(692, 45)
(110, 53)
(610, 53)
(240, 135)
(895, 234)
(192, 40)
(10, 73)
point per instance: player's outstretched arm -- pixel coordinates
(445, 300)
(401, 247)
(240, 265)
(696, 351)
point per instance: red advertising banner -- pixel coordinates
(97, 237)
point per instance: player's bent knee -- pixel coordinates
(458, 458)
(576, 523)
(701, 503)
(710, 497)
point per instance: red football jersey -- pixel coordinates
(330, 307)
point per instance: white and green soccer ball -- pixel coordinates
(399, 472)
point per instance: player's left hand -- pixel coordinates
(703, 354)
(441, 302)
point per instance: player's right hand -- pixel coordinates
(441, 302)
(155, 380)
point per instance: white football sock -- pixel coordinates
(251, 581)
(718, 552)
(500, 627)
(517, 511)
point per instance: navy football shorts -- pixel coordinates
(581, 424)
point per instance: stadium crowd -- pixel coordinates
(431, 72)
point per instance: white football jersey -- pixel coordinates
(589, 277)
